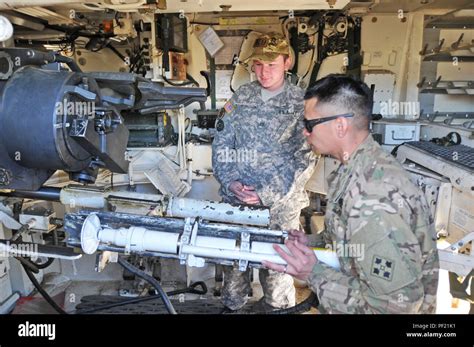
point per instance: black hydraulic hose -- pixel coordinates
(44, 265)
(74, 33)
(42, 291)
(151, 280)
(190, 80)
(116, 51)
(68, 61)
(19, 233)
(311, 301)
(50, 260)
(29, 264)
(44, 193)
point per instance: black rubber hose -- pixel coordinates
(19, 233)
(50, 260)
(68, 61)
(311, 301)
(151, 280)
(44, 265)
(26, 262)
(42, 291)
(44, 193)
(190, 80)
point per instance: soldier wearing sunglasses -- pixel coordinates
(372, 206)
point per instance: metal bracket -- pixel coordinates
(190, 227)
(80, 92)
(456, 44)
(461, 243)
(450, 259)
(438, 48)
(104, 258)
(193, 260)
(244, 247)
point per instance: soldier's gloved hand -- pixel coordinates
(299, 236)
(244, 193)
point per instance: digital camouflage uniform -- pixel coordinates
(279, 165)
(373, 204)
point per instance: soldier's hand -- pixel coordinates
(252, 196)
(298, 235)
(300, 260)
(246, 194)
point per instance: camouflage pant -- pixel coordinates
(278, 288)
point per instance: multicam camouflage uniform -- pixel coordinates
(372, 204)
(272, 156)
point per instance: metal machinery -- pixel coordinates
(445, 170)
(438, 152)
(52, 119)
(77, 122)
(99, 166)
(111, 132)
(73, 121)
(433, 139)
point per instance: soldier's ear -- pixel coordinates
(287, 62)
(342, 126)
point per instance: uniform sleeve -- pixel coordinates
(225, 171)
(386, 274)
(296, 168)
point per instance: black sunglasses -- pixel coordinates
(309, 124)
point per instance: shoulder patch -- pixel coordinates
(382, 268)
(229, 107)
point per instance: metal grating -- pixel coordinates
(459, 155)
(200, 306)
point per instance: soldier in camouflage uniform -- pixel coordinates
(372, 206)
(259, 157)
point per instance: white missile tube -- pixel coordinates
(217, 211)
(138, 239)
(175, 207)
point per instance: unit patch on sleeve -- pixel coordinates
(382, 268)
(229, 107)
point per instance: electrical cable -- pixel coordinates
(191, 80)
(45, 264)
(151, 280)
(28, 263)
(311, 301)
(310, 64)
(41, 290)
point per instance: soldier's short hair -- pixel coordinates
(346, 93)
